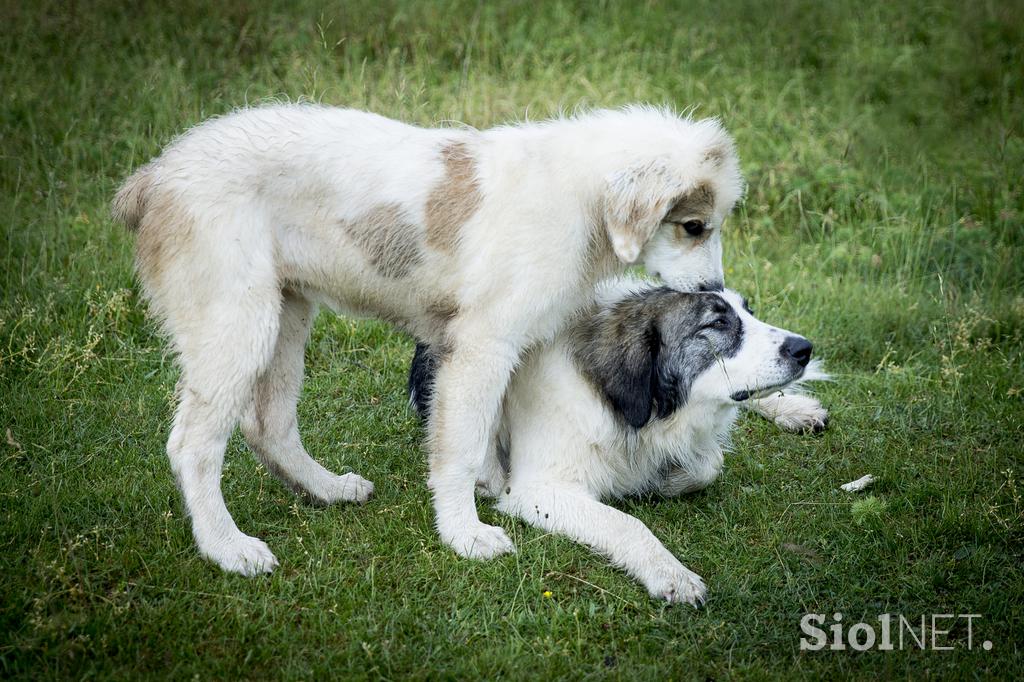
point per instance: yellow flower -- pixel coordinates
(546, 594)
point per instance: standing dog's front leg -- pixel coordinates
(622, 538)
(469, 388)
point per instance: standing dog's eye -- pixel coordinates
(694, 228)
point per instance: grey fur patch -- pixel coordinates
(643, 353)
(716, 156)
(445, 310)
(388, 238)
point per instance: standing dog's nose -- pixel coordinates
(797, 348)
(713, 285)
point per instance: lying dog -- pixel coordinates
(480, 243)
(637, 397)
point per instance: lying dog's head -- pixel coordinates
(651, 352)
(666, 205)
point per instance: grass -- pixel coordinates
(882, 144)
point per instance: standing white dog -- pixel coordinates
(479, 243)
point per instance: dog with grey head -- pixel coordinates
(638, 396)
(481, 243)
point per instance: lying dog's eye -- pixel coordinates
(720, 323)
(694, 228)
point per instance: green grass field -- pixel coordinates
(882, 143)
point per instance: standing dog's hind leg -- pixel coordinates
(226, 350)
(270, 424)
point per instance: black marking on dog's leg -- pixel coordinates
(422, 373)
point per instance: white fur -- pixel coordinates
(241, 234)
(568, 450)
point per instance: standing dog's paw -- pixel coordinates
(242, 554)
(675, 583)
(348, 488)
(479, 541)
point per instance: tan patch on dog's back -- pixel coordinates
(388, 239)
(454, 200)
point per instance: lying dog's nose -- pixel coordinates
(797, 348)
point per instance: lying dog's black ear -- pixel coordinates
(421, 379)
(670, 390)
(631, 385)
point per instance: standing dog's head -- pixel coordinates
(655, 350)
(666, 205)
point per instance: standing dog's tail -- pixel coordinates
(130, 202)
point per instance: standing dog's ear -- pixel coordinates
(630, 384)
(635, 201)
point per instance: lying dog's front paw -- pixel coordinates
(479, 541)
(242, 554)
(677, 584)
(800, 414)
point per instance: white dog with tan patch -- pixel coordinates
(481, 243)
